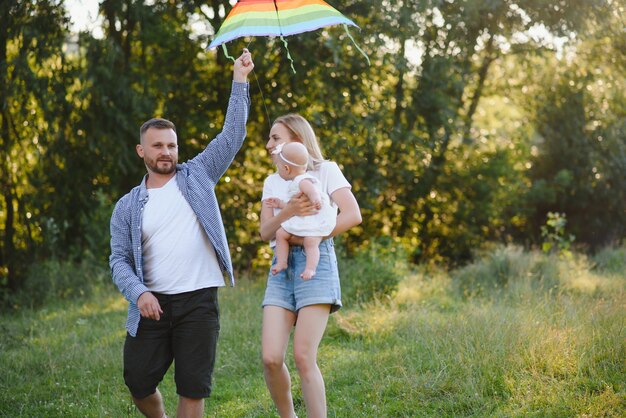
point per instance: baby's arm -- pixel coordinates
(308, 188)
(274, 203)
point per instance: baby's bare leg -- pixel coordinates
(282, 250)
(312, 249)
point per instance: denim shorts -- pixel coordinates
(288, 290)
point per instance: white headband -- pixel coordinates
(279, 150)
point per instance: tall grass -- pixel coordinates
(542, 336)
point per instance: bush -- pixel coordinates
(611, 260)
(56, 279)
(492, 271)
(554, 235)
(371, 272)
(509, 268)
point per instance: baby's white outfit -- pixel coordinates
(318, 225)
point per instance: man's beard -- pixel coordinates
(153, 165)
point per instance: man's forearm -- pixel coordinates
(221, 151)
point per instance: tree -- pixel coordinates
(33, 81)
(581, 152)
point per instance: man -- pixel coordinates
(169, 255)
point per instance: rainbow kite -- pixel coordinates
(278, 18)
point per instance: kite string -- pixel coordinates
(263, 99)
(257, 82)
(269, 119)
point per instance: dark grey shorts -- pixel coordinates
(187, 334)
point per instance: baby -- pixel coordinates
(291, 160)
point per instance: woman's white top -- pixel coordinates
(330, 179)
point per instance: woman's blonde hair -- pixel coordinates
(301, 131)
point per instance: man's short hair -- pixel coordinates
(156, 123)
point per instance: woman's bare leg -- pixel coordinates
(310, 328)
(277, 326)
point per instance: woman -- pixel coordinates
(288, 296)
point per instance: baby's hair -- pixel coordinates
(295, 154)
(301, 131)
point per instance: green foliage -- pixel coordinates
(33, 83)
(610, 260)
(467, 128)
(372, 272)
(97, 235)
(505, 268)
(576, 168)
(55, 279)
(555, 239)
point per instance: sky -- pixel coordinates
(83, 14)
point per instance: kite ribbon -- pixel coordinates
(282, 38)
(226, 52)
(355, 44)
(288, 54)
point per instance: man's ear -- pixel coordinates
(139, 149)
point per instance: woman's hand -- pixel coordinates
(303, 206)
(295, 240)
(300, 205)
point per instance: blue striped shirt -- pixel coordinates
(196, 180)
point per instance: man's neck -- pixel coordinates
(155, 180)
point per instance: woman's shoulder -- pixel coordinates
(328, 169)
(328, 166)
(331, 176)
(272, 178)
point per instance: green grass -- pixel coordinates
(515, 334)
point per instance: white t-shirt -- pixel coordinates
(177, 254)
(330, 176)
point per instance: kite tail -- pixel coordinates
(226, 53)
(356, 45)
(288, 54)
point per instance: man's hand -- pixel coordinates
(149, 306)
(243, 66)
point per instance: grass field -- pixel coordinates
(514, 334)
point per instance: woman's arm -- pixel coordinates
(348, 217)
(349, 211)
(299, 205)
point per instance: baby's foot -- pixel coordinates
(278, 267)
(307, 274)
